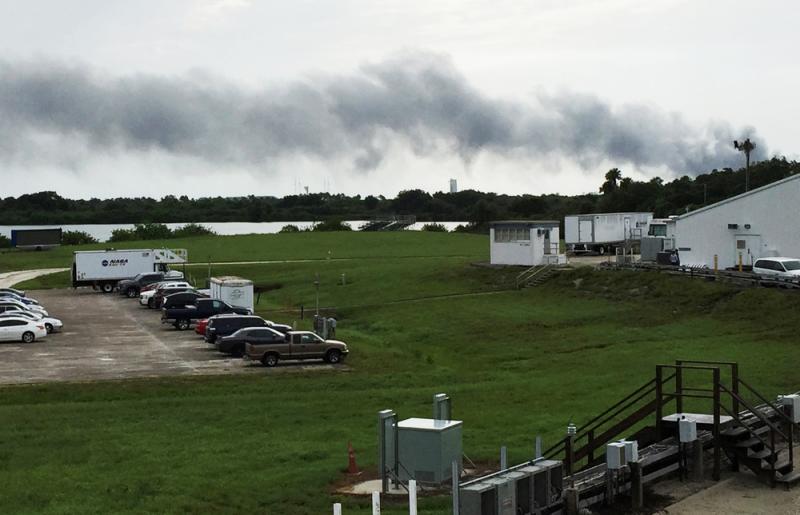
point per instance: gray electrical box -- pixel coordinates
(478, 499)
(546, 479)
(427, 448)
(532, 490)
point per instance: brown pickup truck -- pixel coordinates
(295, 345)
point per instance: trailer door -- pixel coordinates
(627, 224)
(586, 230)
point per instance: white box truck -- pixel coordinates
(233, 290)
(103, 269)
(602, 232)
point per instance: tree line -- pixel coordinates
(617, 193)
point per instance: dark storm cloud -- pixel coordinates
(420, 100)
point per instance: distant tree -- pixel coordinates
(5, 242)
(434, 227)
(77, 238)
(332, 225)
(610, 185)
(289, 228)
(189, 230)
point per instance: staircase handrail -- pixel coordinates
(529, 273)
(780, 412)
(755, 412)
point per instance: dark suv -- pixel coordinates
(225, 325)
(132, 287)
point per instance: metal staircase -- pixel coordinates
(534, 276)
(758, 435)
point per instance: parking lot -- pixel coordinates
(112, 337)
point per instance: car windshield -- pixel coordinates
(792, 265)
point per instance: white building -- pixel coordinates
(525, 242)
(759, 223)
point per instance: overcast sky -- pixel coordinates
(234, 97)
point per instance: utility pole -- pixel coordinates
(316, 285)
(745, 146)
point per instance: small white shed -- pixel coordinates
(759, 223)
(525, 242)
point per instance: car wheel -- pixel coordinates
(333, 356)
(270, 359)
(131, 293)
(107, 287)
(49, 328)
(182, 324)
(28, 337)
(150, 303)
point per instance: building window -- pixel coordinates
(511, 234)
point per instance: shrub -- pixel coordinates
(77, 238)
(434, 227)
(192, 230)
(122, 235)
(332, 225)
(152, 231)
(5, 242)
(289, 228)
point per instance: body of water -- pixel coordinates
(102, 232)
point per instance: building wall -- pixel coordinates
(771, 213)
(527, 253)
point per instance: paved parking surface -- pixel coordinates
(112, 337)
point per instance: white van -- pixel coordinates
(777, 267)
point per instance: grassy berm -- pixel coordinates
(516, 364)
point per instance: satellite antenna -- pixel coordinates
(745, 146)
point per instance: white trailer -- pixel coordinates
(601, 232)
(233, 290)
(105, 268)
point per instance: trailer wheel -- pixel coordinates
(601, 250)
(182, 324)
(107, 287)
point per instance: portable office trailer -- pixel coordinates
(105, 268)
(233, 290)
(525, 242)
(37, 239)
(601, 232)
(758, 223)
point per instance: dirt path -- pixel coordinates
(9, 279)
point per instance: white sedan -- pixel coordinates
(53, 325)
(12, 305)
(14, 329)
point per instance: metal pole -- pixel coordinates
(412, 497)
(337, 508)
(538, 448)
(735, 388)
(717, 446)
(456, 474)
(747, 170)
(679, 388)
(503, 458)
(659, 408)
(316, 285)
(590, 445)
(376, 503)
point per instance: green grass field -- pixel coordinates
(516, 364)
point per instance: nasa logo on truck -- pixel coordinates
(237, 294)
(115, 262)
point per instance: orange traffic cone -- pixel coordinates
(352, 468)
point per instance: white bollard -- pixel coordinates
(337, 508)
(412, 497)
(376, 503)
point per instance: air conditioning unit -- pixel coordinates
(478, 499)
(687, 430)
(792, 402)
(615, 456)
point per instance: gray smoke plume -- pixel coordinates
(419, 99)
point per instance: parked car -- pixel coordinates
(52, 325)
(294, 345)
(14, 305)
(200, 325)
(777, 268)
(182, 318)
(157, 300)
(258, 335)
(186, 298)
(150, 291)
(225, 325)
(12, 290)
(20, 298)
(21, 329)
(131, 288)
